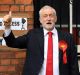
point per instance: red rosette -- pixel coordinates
(63, 47)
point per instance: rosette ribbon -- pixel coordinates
(63, 47)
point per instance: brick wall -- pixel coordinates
(19, 8)
(11, 61)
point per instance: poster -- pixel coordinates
(16, 24)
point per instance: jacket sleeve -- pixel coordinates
(19, 42)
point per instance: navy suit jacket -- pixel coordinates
(33, 41)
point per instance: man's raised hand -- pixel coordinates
(7, 20)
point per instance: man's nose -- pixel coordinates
(48, 18)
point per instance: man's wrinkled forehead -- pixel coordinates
(45, 8)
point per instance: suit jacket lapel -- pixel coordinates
(40, 35)
(60, 37)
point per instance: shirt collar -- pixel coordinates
(54, 31)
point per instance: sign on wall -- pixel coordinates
(17, 24)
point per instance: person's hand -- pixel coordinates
(7, 20)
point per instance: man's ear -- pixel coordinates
(55, 18)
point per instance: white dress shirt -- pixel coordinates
(55, 53)
(7, 32)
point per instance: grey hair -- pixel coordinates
(47, 7)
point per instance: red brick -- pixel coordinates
(7, 54)
(21, 7)
(20, 54)
(30, 21)
(14, 8)
(28, 8)
(23, 1)
(29, 14)
(5, 62)
(10, 73)
(22, 61)
(13, 73)
(6, 1)
(17, 61)
(11, 68)
(14, 61)
(4, 7)
(7, 68)
(19, 68)
(4, 73)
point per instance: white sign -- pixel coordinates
(17, 24)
